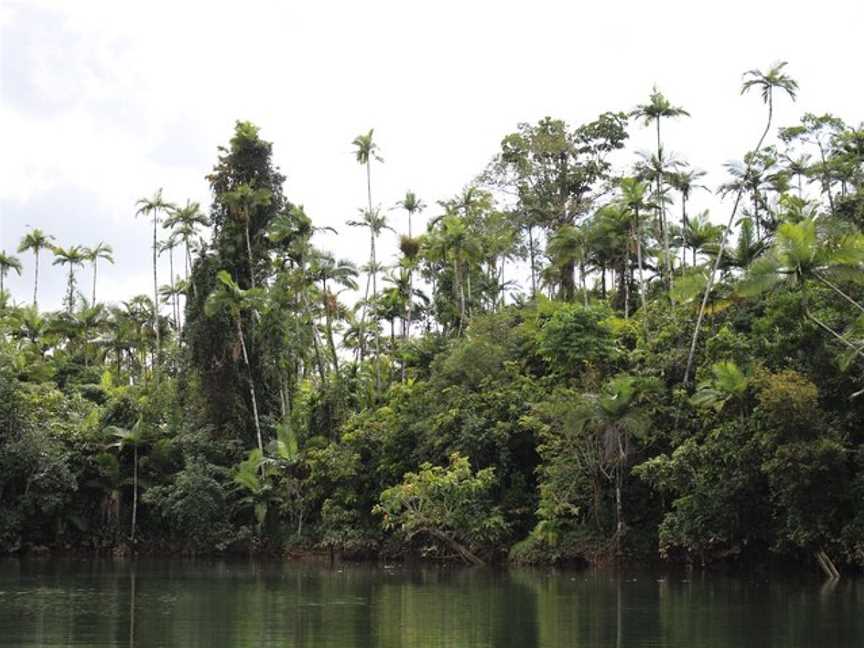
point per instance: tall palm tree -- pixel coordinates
(152, 207)
(167, 247)
(8, 262)
(633, 196)
(326, 269)
(35, 241)
(134, 439)
(229, 298)
(657, 108)
(412, 205)
(375, 222)
(685, 181)
(72, 256)
(366, 151)
(101, 251)
(766, 82)
(184, 223)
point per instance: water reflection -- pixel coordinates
(216, 604)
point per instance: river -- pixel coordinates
(215, 604)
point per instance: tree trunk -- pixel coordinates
(35, 283)
(531, 259)
(710, 283)
(661, 210)
(639, 259)
(156, 297)
(249, 253)
(251, 384)
(93, 300)
(134, 490)
(684, 229)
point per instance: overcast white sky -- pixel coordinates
(102, 103)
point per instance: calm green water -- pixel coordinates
(217, 604)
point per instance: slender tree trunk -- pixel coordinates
(175, 313)
(661, 210)
(710, 283)
(625, 284)
(134, 490)
(251, 384)
(374, 270)
(683, 228)
(249, 253)
(156, 297)
(93, 300)
(531, 259)
(826, 180)
(35, 282)
(329, 324)
(71, 295)
(639, 259)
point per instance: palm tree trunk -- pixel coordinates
(531, 258)
(639, 260)
(626, 286)
(683, 228)
(134, 490)
(174, 311)
(70, 296)
(717, 260)
(329, 324)
(156, 297)
(374, 270)
(661, 210)
(35, 283)
(251, 384)
(93, 301)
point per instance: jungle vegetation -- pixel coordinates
(566, 364)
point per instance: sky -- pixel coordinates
(101, 103)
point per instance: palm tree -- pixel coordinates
(229, 297)
(133, 438)
(614, 416)
(728, 383)
(325, 268)
(633, 195)
(798, 258)
(798, 167)
(376, 222)
(700, 232)
(72, 256)
(101, 251)
(685, 182)
(655, 110)
(167, 246)
(35, 241)
(184, 223)
(152, 207)
(242, 202)
(767, 83)
(8, 262)
(366, 151)
(412, 205)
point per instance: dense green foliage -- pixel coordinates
(686, 389)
